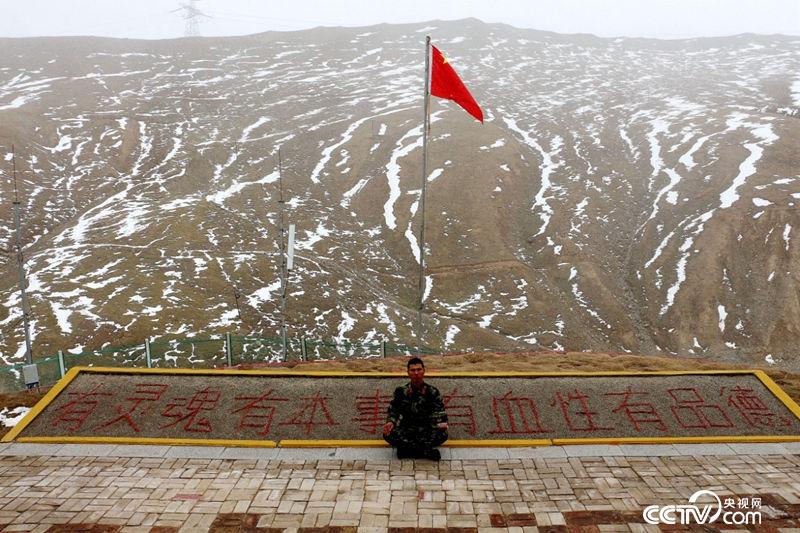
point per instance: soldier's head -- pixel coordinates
(416, 370)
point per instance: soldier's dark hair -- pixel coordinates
(414, 361)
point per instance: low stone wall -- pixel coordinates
(261, 406)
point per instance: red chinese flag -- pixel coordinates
(445, 83)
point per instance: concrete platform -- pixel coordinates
(66, 487)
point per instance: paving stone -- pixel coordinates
(758, 448)
(592, 450)
(704, 449)
(306, 454)
(792, 447)
(369, 454)
(194, 452)
(249, 453)
(648, 450)
(536, 452)
(138, 450)
(31, 449)
(478, 453)
(85, 450)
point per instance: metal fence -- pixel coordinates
(215, 352)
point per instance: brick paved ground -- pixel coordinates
(549, 494)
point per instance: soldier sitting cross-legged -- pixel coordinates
(417, 421)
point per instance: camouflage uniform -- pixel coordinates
(415, 416)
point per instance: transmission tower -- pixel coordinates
(191, 16)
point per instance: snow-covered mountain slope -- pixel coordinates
(623, 194)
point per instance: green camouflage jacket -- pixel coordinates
(410, 408)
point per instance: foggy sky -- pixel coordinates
(152, 19)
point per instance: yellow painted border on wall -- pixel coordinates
(41, 404)
(779, 393)
(717, 439)
(375, 443)
(773, 387)
(432, 373)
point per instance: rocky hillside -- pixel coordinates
(623, 195)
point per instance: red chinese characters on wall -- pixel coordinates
(638, 413)
(574, 408)
(459, 411)
(258, 412)
(751, 408)
(313, 413)
(372, 410)
(509, 412)
(691, 411)
(138, 404)
(190, 411)
(515, 415)
(74, 413)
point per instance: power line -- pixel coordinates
(191, 16)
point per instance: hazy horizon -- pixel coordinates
(159, 19)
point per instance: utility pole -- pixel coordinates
(21, 264)
(191, 16)
(282, 247)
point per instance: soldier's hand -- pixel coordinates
(388, 427)
(442, 425)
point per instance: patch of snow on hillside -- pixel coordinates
(62, 316)
(12, 417)
(228, 318)
(722, 316)
(450, 336)
(312, 237)
(435, 174)
(633, 150)
(747, 168)
(220, 196)
(383, 317)
(364, 55)
(686, 159)
(581, 299)
(428, 288)
(348, 195)
(249, 129)
(497, 144)
(146, 144)
(393, 172)
(786, 231)
(264, 294)
(462, 306)
(520, 303)
(134, 215)
(178, 203)
(795, 89)
(760, 202)
(345, 325)
(547, 167)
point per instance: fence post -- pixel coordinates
(304, 349)
(147, 354)
(383, 349)
(229, 349)
(61, 368)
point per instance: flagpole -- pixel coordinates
(425, 126)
